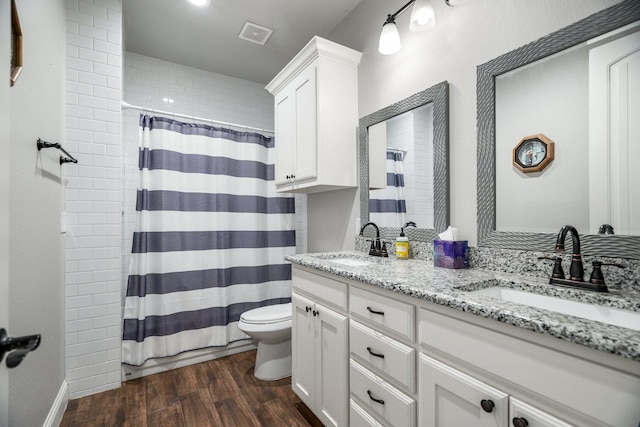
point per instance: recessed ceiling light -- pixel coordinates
(200, 3)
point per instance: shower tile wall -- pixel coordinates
(93, 196)
(196, 92)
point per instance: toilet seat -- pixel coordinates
(267, 314)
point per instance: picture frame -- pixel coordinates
(533, 153)
(16, 45)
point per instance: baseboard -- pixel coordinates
(155, 366)
(54, 418)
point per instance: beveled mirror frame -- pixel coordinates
(595, 25)
(439, 96)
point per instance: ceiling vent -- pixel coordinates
(255, 33)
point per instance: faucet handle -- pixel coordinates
(383, 251)
(372, 249)
(596, 274)
(558, 272)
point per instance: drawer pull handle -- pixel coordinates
(487, 405)
(381, 313)
(381, 356)
(520, 422)
(380, 401)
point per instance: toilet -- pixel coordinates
(271, 327)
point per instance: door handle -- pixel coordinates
(21, 345)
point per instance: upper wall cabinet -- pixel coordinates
(316, 119)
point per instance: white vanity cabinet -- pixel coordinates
(452, 398)
(382, 373)
(320, 346)
(373, 357)
(316, 119)
(466, 360)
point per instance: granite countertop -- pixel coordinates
(419, 279)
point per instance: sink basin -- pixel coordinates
(612, 316)
(351, 262)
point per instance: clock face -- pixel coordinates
(533, 153)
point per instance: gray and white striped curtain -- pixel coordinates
(387, 206)
(210, 239)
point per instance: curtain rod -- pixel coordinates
(126, 106)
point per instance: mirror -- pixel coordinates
(423, 119)
(507, 196)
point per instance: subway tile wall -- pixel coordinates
(93, 196)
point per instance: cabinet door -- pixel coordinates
(303, 353)
(332, 393)
(306, 135)
(523, 414)
(450, 398)
(285, 132)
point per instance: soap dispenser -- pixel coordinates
(402, 242)
(402, 246)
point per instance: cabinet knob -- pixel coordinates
(520, 422)
(307, 309)
(316, 313)
(487, 405)
(380, 401)
(371, 352)
(381, 313)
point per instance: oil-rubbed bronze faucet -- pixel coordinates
(576, 270)
(377, 248)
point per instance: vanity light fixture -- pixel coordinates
(422, 18)
(200, 3)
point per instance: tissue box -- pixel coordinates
(450, 254)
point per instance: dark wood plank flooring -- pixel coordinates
(221, 392)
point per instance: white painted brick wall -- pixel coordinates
(93, 196)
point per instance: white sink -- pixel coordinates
(351, 262)
(612, 316)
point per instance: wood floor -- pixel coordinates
(221, 392)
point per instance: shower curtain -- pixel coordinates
(387, 206)
(210, 241)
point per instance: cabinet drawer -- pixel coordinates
(358, 417)
(383, 353)
(330, 292)
(381, 398)
(394, 315)
(534, 417)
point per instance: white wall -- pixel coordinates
(551, 98)
(5, 54)
(463, 38)
(36, 291)
(93, 196)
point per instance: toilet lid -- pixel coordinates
(268, 314)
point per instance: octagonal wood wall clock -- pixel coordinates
(533, 153)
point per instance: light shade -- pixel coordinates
(200, 3)
(453, 3)
(422, 16)
(389, 38)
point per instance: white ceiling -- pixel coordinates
(207, 38)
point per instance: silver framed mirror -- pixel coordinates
(438, 96)
(624, 246)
